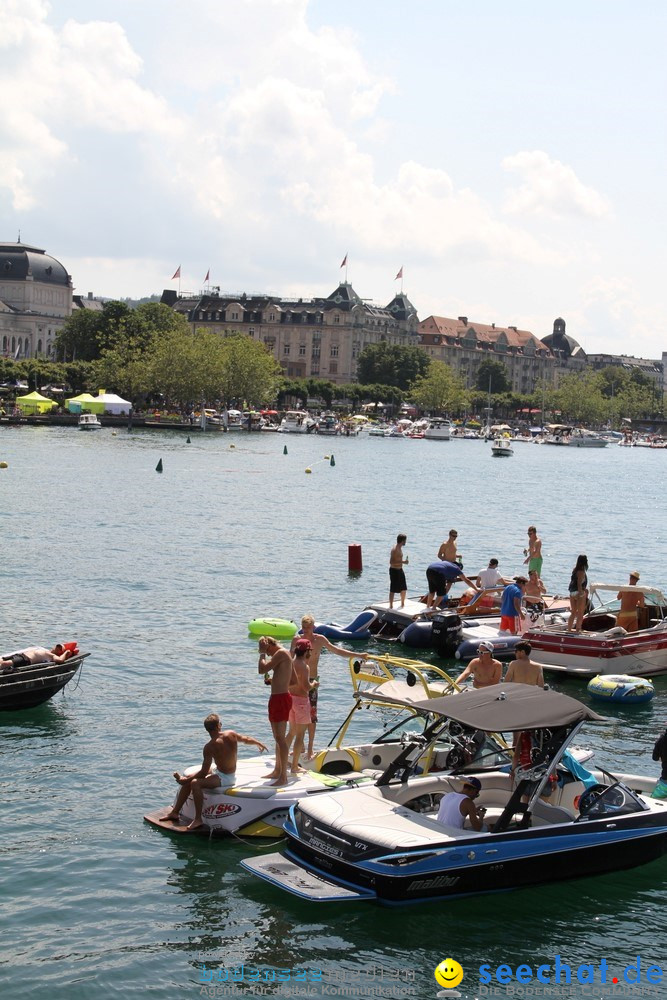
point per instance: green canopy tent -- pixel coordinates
(81, 403)
(34, 402)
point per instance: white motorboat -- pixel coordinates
(328, 424)
(89, 422)
(582, 438)
(254, 807)
(297, 422)
(502, 447)
(438, 429)
(603, 646)
(393, 842)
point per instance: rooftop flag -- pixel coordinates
(177, 273)
(344, 263)
(400, 274)
(208, 275)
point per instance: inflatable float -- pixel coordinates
(621, 689)
(357, 630)
(279, 628)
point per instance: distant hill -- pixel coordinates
(133, 303)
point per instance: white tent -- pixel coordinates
(113, 404)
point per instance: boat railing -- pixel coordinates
(380, 669)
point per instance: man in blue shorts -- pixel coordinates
(440, 575)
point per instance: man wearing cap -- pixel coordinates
(627, 616)
(511, 611)
(522, 670)
(440, 575)
(456, 807)
(484, 670)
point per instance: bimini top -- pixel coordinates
(509, 708)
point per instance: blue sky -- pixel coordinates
(510, 157)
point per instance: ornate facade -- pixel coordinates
(318, 338)
(35, 300)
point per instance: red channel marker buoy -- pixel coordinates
(354, 562)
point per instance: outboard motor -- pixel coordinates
(447, 633)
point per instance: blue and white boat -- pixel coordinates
(383, 842)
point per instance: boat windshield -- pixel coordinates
(609, 800)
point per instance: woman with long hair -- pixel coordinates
(578, 594)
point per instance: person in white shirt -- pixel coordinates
(456, 807)
(490, 577)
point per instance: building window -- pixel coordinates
(251, 331)
(286, 349)
(272, 318)
(302, 350)
(333, 368)
(235, 315)
(336, 318)
(334, 350)
(315, 353)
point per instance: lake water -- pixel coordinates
(157, 576)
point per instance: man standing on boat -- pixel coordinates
(218, 769)
(447, 550)
(440, 576)
(274, 659)
(397, 582)
(627, 617)
(533, 553)
(511, 611)
(317, 643)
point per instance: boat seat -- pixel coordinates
(552, 814)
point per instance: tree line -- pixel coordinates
(150, 352)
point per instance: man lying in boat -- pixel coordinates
(35, 654)
(218, 769)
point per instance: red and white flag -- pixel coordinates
(208, 275)
(344, 263)
(177, 273)
(400, 274)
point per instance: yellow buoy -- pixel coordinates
(309, 470)
(4, 465)
(232, 446)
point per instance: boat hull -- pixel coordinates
(32, 685)
(478, 865)
(590, 654)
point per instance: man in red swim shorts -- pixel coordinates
(274, 659)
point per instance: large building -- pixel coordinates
(318, 338)
(464, 344)
(35, 300)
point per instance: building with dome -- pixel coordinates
(35, 300)
(310, 338)
(568, 355)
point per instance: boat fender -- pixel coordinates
(618, 630)
(337, 761)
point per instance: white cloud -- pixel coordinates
(550, 187)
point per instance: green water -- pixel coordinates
(157, 575)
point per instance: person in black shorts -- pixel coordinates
(397, 583)
(440, 575)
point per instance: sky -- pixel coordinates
(509, 157)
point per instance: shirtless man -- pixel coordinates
(35, 654)
(318, 643)
(299, 689)
(447, 551)
(534, 588)
(533, 553)
(397, 583)
(630, 600)
(484, 670)
(522, 670)
(218, 769)
(275, 660)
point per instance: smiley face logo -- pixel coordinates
(448, 974)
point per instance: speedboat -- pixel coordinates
(32, 684)
(297, 422)
(438, 429)
(383, 841)
(89, 422)
(254, 807)
(502, 447)
(582, 438)
(603, 646)
(328, 424)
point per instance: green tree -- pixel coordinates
(440, 389)
(249, 371)
(495, 374)
(580, 398)
(391, 364)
